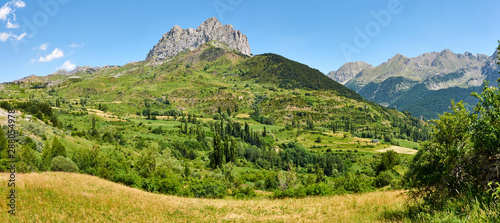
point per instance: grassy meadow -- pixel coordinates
(71, 197)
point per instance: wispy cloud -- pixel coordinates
(19, 3)
(57, 53)
(43, 47)
(12, 25)
(20, 37)
(75, 45)
(10, 8)
(67, 66)
(7, 12)
(5, 36)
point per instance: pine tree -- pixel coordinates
(221, 128)
(187, 170)
(217, 151)
(46, 156)
(57, 148)
(264, 133)
(4, 151)
(232, 151)
(226, 149)
(247, 131)
(185, 125)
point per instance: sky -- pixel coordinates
(41, 36)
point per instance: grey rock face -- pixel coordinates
(476, 69)
(178, 40)
(348, 71)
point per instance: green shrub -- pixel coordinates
(206, 188)
(63, 164)
(319, 189)
(243, 192)
(169, 185)
(127, 178)
(384, 178)
(298, 192)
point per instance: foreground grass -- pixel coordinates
(69, 197)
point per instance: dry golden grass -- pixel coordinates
(65, 197)
(400, 149)
(242, 116)
(107, 117)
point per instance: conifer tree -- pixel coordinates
(57, 148)
(4, 151)
(232, 151)
(226, 149)
(217, 151)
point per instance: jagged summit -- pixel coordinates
(178, 40)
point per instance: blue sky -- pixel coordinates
(40, 36)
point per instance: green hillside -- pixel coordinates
(212, 123)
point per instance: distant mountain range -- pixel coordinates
(423, 85)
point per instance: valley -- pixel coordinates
(203, 130)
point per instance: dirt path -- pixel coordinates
(3, 116)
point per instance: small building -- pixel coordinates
(375, 141)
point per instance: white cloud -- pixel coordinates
(5, 36)
(57, 53)
(10, 8)
(12, 26)
(75, 45)
(43, 47)
(20, 37)
(19, 4)
(5, 11)
(67, 66)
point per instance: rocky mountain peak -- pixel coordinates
(178, 40)
(348, 71)
(445, 51)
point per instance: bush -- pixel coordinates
(384, 178)
(319, 189)
(127, 178)
(243, 192)
(298, 192)
(206, 188)
(63, 164)
(169, 185)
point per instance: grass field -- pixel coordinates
(68, 197)
(399, 149)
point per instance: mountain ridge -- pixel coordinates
(178, 40)
(429, 73)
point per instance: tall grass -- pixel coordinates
(69, 197)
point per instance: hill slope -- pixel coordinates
(65, 197)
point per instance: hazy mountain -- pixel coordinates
(407, 83)
(348, 71)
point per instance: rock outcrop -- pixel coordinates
(178, 40)
(348, 71)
